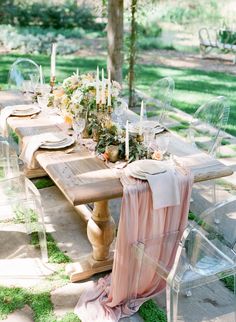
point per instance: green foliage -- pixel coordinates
(146, 43)
(150, 312)
(70, 317)
(47, 14)
(11, 299)
(55, 255)
(15, 298)
(43, 183)
(229, 282)
(186, 12)
(14, 136)
(42, 306)
(20, 214)
(227, 36)
(22, 39)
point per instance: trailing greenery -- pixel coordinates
(15, 298)
(14, 136)
(43, 183)
(55, 255)
(150, 312)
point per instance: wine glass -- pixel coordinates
(43, 103)
(148, 138)
(79, 124)
(120, 108)
(34, 81)
(162, 142)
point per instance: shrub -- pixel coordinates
(46, 14)
(27, 42)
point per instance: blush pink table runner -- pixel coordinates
(109, 298)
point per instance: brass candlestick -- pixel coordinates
(103, 107)
(98, 107)
(52, 83)
(109, 109)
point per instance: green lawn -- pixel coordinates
(193, 87)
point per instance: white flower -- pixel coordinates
(77, 97)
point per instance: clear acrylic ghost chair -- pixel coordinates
(161, 93)
(21, 200)
(207, 123)
(205, 130)
(203, 254)
(9, 166)
(24, 75)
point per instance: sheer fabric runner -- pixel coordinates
(109, 298)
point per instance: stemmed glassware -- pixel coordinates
(120, 108)
(34, 78)
(78, 125)
(162, 142)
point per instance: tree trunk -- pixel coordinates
(132, 52)
(115, 38)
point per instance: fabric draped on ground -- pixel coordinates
(118, 294)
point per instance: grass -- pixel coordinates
(192, 87)
(15, 298)
(43, 183)
(55, 255)
(150, 312)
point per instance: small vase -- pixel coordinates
(85, 132)
(113, 152)
(96, 135)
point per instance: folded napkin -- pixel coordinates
(165, 189)
(4, 114)
(7, 111)
(32, 143)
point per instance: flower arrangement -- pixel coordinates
(79, 92)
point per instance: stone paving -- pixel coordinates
(213, 303)
(210, 303)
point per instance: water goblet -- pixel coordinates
(78, 125)
(34, 78)
(162, 142)
(148, 138)
(43, 103)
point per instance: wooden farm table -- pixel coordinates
(83, 178)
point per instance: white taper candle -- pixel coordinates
(97, 87)
(53, 60)
(127, 141)
(40, 75)
(141, 119)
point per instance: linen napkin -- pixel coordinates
(165, 189)
(7, 111)
(32, 143)
(4, 114)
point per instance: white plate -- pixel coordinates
(58, 145)
(24, 107)
(134, 128)
(29, 112)
(139, 169)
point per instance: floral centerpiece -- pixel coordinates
(80, 92)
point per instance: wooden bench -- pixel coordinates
(210, 38)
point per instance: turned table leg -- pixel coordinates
(101, 232)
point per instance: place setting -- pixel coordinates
(48, 141)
